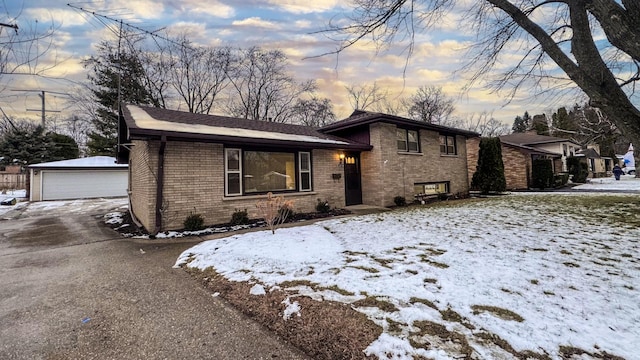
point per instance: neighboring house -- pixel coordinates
(518, 152)
(598, 166)
(85, 178)
(183, 163)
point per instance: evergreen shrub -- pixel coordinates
(194, 222)
(578, 169)
(239, 217)
(323, 207)
(400, 201)
(542, 174)
(489, 175)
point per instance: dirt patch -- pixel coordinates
(325, 329)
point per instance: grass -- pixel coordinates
(372, 301)
(503, 314)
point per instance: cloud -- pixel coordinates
(62, 17)
(255, 22)
(132, 11)
(304, 6)
(197, 8)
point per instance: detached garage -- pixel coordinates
(85, 178)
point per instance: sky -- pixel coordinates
(289, 25)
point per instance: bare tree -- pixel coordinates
(563, 32)
(485, 125)
(26, 48)
(197, 74)
(430, 104)
(365, 97)
(262, 87)
(313, 112)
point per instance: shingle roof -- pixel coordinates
(532, 139)
(361, 117)
(145, 122)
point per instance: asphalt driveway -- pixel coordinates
(70, 288)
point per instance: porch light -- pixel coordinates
(341, 156)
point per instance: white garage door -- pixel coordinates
(83, 184)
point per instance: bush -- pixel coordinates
(400, 201)
(542, 174)
(489, 175)
(194, 222)
(274, 210)
(239, 217)
(443, 196)
(323, 207)
(578, 169)
(561, 179)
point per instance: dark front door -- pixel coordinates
(352, 184)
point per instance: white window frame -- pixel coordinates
(304, 171)
(227, 151)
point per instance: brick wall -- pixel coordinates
(143, 167)
(194, 183)
(516, 164)
(387, 173)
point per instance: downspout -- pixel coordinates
(160, 184)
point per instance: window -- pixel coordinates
(407, 140)
(305, 171)
(422, 189)
(232, 168)
(257, 172)
(564, 149)
(447, 145)
(268, 171)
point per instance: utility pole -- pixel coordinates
(43, 110)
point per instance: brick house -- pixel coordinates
(183, 163)
(518, 152)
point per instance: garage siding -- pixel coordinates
(79, 184)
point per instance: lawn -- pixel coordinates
(550, 275)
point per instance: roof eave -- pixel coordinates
(146, 134)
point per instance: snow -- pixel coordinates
(88, 162)
(572, 273)
(626, 182)
(291, 308)
(144, 121)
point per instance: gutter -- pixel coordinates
(160, 184)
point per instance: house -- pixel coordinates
(598, 166)
(85, 178)
(183, 163)
(518, 152)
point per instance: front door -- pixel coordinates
(352, 183)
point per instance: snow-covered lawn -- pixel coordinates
(626, 182)
(550, 273)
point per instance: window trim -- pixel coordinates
(227, 171)
(302, 171)
(447, 185)
(405, 132)
(447, 145)
(299, 171)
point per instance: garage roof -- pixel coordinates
(93, 162)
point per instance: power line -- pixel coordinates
(101, 17)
